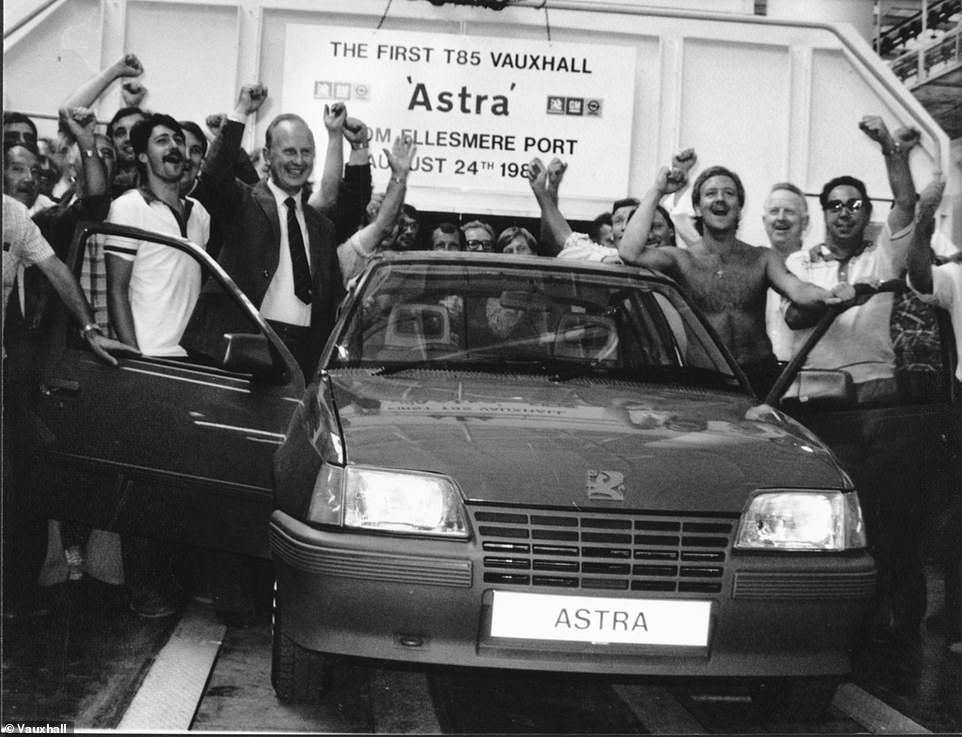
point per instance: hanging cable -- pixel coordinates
(547, 24)
(383, 17)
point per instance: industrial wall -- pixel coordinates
(774, 100)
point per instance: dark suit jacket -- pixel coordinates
(250, 252)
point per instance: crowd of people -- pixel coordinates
(293, 248)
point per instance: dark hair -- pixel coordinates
(123, 113)
(140, 133)
(624, 202)
(512, 232)
(410, 210)
(190, 125)
(282, 118)
(11, 117)
(715, 171)
(31, 147)
(449, 228)
(594, 230)
(446, 227)
(671, 224)
(846, 181)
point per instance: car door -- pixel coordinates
(178, 449)
(915, 441)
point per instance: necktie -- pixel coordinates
(295, 239)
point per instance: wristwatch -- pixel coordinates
(90, 327)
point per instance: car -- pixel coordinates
(543, 464)
(506, 462)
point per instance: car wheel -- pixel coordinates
(298, 675)
(794, 699)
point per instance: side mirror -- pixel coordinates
(248, 353)
(818, 390)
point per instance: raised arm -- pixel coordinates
(324, 199)
(896, 152)
(79, 123)
(217, 171)
(634, 242)
(128, 66)
(920, 251)
(353, 254)
(554, 228)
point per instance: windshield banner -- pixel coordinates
(479, 109)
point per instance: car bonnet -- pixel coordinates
(527, 440)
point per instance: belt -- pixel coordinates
(286, 331)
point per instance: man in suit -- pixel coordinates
(280, 252)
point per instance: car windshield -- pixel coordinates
(553, 318)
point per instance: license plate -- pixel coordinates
(600, 619)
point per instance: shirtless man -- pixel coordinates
(727, 278)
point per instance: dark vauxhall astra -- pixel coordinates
(532, 463)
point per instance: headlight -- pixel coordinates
(802, 520)
(395, 501)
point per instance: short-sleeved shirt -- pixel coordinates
(579, 247)
(947, 293)
(859, 341)
(23, 244)
(164, 282)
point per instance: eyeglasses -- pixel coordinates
(853, 205)
(478, 245)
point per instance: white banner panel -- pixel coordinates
(478, 108)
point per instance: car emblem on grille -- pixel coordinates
(606, 485)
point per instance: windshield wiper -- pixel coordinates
(576, 371)
(474, 359)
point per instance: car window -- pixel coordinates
(525, 318)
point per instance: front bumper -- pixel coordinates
(429, 601)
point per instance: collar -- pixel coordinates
(150, 198)
(821, 252)
(280, 196)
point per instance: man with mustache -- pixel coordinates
(151, 289)
(151, 292)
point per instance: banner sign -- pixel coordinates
(479, 109)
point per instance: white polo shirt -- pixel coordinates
(859, 341)
(164, 282)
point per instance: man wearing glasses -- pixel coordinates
(859, 340)
(478, 236)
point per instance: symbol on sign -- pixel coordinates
(342, 90)
(574, 106)
(593, 107)
(556, 105)
(489, 165)
(361, 91)
(609, 485)
(322, 90)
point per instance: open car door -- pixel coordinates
(904, 453)
(178, 449)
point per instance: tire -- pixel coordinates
(802, 699)
(298, 675)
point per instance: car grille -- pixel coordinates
(573, 550)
